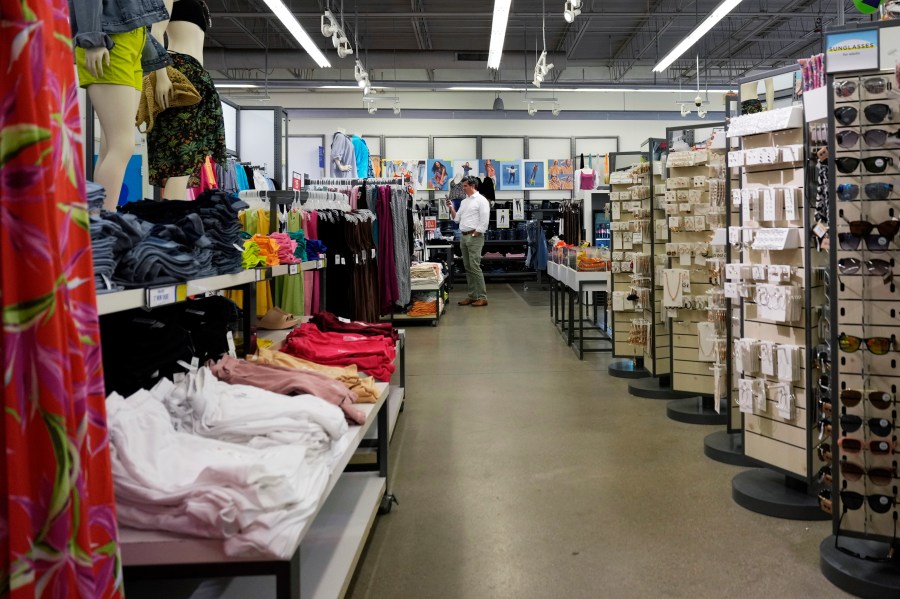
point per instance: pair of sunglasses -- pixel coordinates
(875, 446)
(877, 345)
(880, 504)
(862, 230)
(877, 267)
(873, 164)
(874, 138)
(875, 85)
(881, 427)
(874, 113)
(889, 557)
(881, 400)
(879, 476)
(848, 192)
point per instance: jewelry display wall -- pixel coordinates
(695, 204)
(776, 276)
(629, 221)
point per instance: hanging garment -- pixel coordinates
(59, 518)
(361, 153)
(387, 268)
(402, 254)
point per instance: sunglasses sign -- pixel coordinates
(851, 51)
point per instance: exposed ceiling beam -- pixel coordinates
(249, 33)
(390, 16)
(420, 26)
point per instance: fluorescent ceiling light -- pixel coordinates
(294, 28)
(483, 89)
(236, 85)
(498, 32)
(694, 36)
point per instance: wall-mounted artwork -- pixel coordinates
(560, 174)
(509, 175)
(535, 174)
(439, 173)
(488, 168)
(415, 169)
(465, 168)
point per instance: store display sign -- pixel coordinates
(321, 156)
(443, 211)
(503, 218)
(518, 209)
(296, 181)
(430, 223)
(851, 51)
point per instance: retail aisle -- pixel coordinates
(522, 472)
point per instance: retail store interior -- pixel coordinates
(518, 298)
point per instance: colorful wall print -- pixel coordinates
(488, 168)
(509, 175)
(414, 170)
(560, 174)
(375, 161)
(439, 173)
(465, 168)
(535, 173)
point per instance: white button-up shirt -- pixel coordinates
(474, 213)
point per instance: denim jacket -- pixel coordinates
(94, 20)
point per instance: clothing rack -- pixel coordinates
(357, 181)
(286, 197)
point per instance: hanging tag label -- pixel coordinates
(232, 350)
(293, 269)
(321, 263)
(820, 230)
(344, 320)
(162, 296)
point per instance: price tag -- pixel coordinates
(321, 263)
(260, 274)
(232, 350)
(342, 319)
(293, 269)
(162, 296)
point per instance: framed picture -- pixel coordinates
(560, 174)
(503, 218)
(518, 209)
(438, 172)
(535, 173)
(509, 175)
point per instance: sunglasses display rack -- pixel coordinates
(695, 204)
(657, 352)
(629, 220)
(774, 276)
(859, 385)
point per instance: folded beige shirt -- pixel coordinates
(348, 375)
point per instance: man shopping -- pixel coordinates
(473, 218)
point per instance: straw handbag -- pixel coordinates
(183, 94)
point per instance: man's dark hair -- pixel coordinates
(473, 181)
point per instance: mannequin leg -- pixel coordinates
(116, 107)
(176, 188)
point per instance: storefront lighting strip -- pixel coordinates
(694, 36)
(498, 32)
(293, 26)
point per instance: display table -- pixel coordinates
(330, 544)
(566, 285)
(432, 287)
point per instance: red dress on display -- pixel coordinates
(58, 534)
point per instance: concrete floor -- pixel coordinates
(523, 472)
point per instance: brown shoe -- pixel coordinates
(479, 303)
(466, 301)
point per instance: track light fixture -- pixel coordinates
(332, 28)
(371, 103)
(701, 113)
(532, 109)
(572, 10)
(541, 69)
(373, 109)
(555, 110)
(396, 108)
(685, 110)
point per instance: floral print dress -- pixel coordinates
(58, 533)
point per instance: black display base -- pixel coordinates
(626, 369)
(870, 580)
(727, 448)
(766, 492)
(695, 410)
(655, 387)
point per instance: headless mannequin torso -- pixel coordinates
(337, 159)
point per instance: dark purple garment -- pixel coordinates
(387, 269)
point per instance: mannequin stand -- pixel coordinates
(628, 369)
(656, 387)
(859, 577)
(696, 409)
(727, 448)
(766, 492)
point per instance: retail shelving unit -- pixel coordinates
(438, 290)
(862, 377)
(623, 311)
(519, 245)
(778, 282)
(727, 445)
(657, 351)
(695, 206)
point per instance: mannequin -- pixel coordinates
(343, 156)
(112, 51)
(174, 164)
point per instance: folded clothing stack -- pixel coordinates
(268, 248)
(287, 248)
(300, 239)
(512, 255)
(96, 194)
(251, 257)
(425, 272)
(314, 247)
(110, 239)
(362, 386)
(328, 322)
(217, 221)
(373, 355)
(258, 499)
(492, 255)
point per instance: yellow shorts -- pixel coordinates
(124, 61)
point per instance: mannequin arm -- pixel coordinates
(341, 167)
(154, 56)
